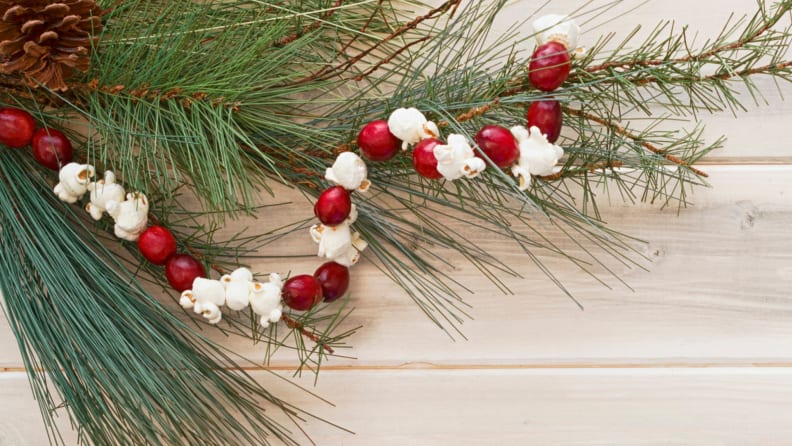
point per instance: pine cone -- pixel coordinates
(45, 40)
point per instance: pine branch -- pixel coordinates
(127, 370)
(614, 126)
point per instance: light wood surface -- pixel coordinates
(698, 352)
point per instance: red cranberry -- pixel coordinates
(549, 66)
(424, 159)
(16, 127)
(302, 292)
(546, 115)
(498, 144)
(181, 270)
(334, 279)
(157, 244)
(333, 206)
(51, 148)
(377, 143)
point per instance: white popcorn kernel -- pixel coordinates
(265, 300)
(205, 298)
(73, 181)
(557, 28)
(456, 159)
(411, 126)
(238, 286)
(131, 216)
(103, 192)
(537, 155)
(187, 300)
(338, 243)
(349, 171)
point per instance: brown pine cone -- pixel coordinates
(45, 41)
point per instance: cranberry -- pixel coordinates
(51, 148)
(157, 244)
(334, 279)
(302, 292)
(549, 66)
(16, 127)
(333, 206)
(498, 144)
(546, 115)
(424, 159)
(181, 270)
(377, 143)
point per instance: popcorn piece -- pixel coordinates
(557, 28)
(338, 243)
(349, 171)
(74, 180)
(238, 287)
(456, 159)
(537, 155)
(411, 126)
(103, 192)
(131, 215)
(205, 298)
(265, 300)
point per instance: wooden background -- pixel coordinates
(699, 353)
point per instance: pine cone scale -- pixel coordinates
(45, 41)
(56, 9)
(29, 26)
(47, 35)
(14, 12)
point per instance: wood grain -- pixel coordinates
(723, 406)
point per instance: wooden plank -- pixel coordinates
(515, 407)
(716, 293)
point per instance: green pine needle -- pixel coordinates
(127, 370)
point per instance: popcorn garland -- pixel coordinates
(237, 290)
(534, 154)
(526, 151)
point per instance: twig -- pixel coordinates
(582, 169)
(637, 138)
(285, 40)
(727, 75)
(338, 69)
(294, 325)
(144, 92)
(692, 57)
(473, 112)
(16, 88)
(386, 60)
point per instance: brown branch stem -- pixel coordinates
(285, 40)
(581, 169)
(691, 57)
(386, 60)
(294, 325)
(340, 68)
(616, 128)
(473, 112)
(724, 76)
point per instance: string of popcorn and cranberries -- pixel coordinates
(526, 151)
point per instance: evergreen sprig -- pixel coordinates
(127, 371)
(614, 142)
